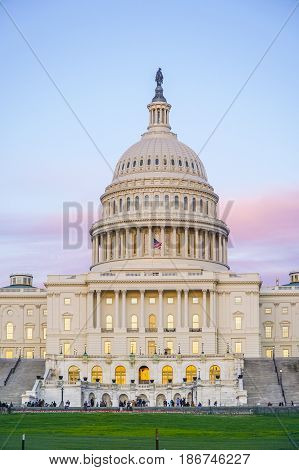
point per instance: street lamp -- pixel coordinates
(280, 376)
(62, 390)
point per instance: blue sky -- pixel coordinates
(103, 57)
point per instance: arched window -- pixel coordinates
(167, 375)
(192, 164)
(96, 373)
(166, 202)
(207, 207)
(170, 323)
(191, 373)
(195, 321)
(180, 162)
(9, 331)
(157, 161)
(146, 202)
(165, 161)
(172, 162)
(128, 165)
(120, 205)
(109, 323)
(136, 203)
(185, 203)
(128, 204)
(193, 204)
(144, 375)
(200, 205)
(114, 207)
(141, 162)
(148, 161)
(123, 166)
(157, 201)
(152, 321)
(134, 322)
(74, 374)
(120, 375)
(134, 163)
(176, 202)
(214, 373)
(187, 164)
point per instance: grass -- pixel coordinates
(137, 431)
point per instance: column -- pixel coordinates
(179, 308)
(124, 310)
(141, 319)
(213, 246)
(116, 244)
(224, 252)
(150, 241)
(163, 250)
(206, 245)
(212, 310)
(173, 243)
(201, 244)
(220, 248)
(89, 310)
(204, 308)
(138, 241)
(127, 251)
(160, 316)
(196, 243)
(108, 246)
(116, 308)
(186, 242)
(186, 308)
(96, 249)
(93, 250)
(99, 323)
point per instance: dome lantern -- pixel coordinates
(159, 108)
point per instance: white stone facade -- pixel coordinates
(160, 315)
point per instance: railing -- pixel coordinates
(107, 330)
(12, 371)
(132, 330)
(151, 330)
(279, 379)
(195, 330)
(169, 330)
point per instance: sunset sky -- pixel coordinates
(98, 60)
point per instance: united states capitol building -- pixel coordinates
(160, 315)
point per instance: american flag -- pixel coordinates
(157, 244)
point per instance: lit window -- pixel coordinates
(285, 353)
(238, 347)
(195, 347)
(268, 310)
(8, 354)
(152, 300)
(195, 300)
(29, 333)
(67, 349)
(238, 323)
(107, 347)
(29, 312)
(134, 322)
(134, 300)
(45, 332)
(29, 354)
(169, 345)
(268, 331)
(9, 331)
(109, 301)
(152, 321)
(170, 323)
(195, 321)
(269, 353)
(285, 331)
(109, 324)
(67, 324)
(133, 347)
(45, 312)
(67, 301)
(238, 300)
(170, 300)
(151, 348)
(285, 310)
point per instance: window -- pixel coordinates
(148, 161)
(128, 165)
(169, 346)
(285, 331)
(67, 349)
(45, 312)
(152, 321)
(157, 161)
(107, 347)
(170, 300)
(172, 162)
(285, 310)
(170, 323)
(238, 300)
(268, 331)
(109, 301)
(109, 323)
(268, 310)
(134, 300)
(141, 163)
(167, 375)
(29, 332)
(166, 202)
(96, 374)
(45, 332)
(29, 354)
(120, 375)
(136, 203)
(128, 203)
(67, 324)
(214, 373)
(195, 347)
(134, 163)
(8, 354)
(176, 202)
(134, 322)
(74, 374)
(238, 323)
(157, 202)
(9, 331)
(133, 347)
(185, 203)
(195, 321)
(152, 300)
(193, 204)
(29, 312)
(151, 348)
(146, 202)
(285, 353)
(195, 300)
(269, 353)
(191, 373)
(67, 301)
(120, 205)
(238, 347)
(180, 162)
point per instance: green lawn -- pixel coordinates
(137, 431)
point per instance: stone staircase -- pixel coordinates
(261, 383)
(290, 378)
(22, 380)
(5, 366)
